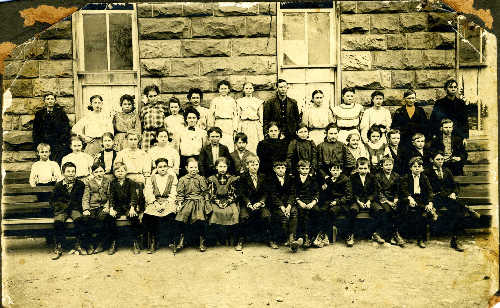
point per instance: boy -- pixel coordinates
(107, 156)
(253, 196)
(66, 200)
(336, 197)
(331, 151)
(364, 192)
(44, 172)
(446, 195)
(416, 199)
(417, 149)
(240, 153)
(94, 204)
(395, 151)
(195, 97)
(123, 202)
(388, 183)
(452, 146)
(191, 140)
(281, 204)
(81, 160)
(305, 194)
(211, 152)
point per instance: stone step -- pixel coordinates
(19, 199)
(11, 189)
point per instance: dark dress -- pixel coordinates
(270, 150)
(299, 149)
(418, 123)
(455, 110)
(328, 153)
(52, 128)
(222, 197)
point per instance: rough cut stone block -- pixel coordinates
(147, 81)
(158, 67)
(19, 156)
(26, 105)
(10, 121)
(66, 87)
(205, 48)
(215, 66)
(363, 42)
(159, 49)
(19, 87)
(391, 59)
(254, 47)
(396, 41)
(385, 79)
(60, 49)
(444, 40)
(382, 6)
(183, 84)
(355, 23)
(384, 23)
(433, 78)
(236, 9)
(17, 137)
(198, 9)
(267, 8)
(34, 49)
(403, 79)
(356, 60)
(144, 10)
(362, 79)
(185, 67)
(426, 96)
(347, 7)
(439, 58)
(60, 30)
(218, 26)
(21, 68)
(438, 22)
(260, 82)
(273, 26)
(259, 25)
(167, 9)
(392, 97)
(412, 59)
(164, 28)
(420, 40)
(59, 68)
(413, 22)
(253, 65)
(43, 86)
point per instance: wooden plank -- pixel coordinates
(472, 179)
(478, 167)
(474, 200)
(26, 189)
(43, 224)
(467, 191)
(17, 175)
(19, 199)
(13, 208)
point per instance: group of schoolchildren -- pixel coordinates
(289, 192)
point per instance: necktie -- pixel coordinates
(191, 128)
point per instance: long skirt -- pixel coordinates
(253, 130)
(227, 216)
(226, 125)
(193, 210)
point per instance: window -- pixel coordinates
(471, 43)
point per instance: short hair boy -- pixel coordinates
(452, 146)
(44, 172)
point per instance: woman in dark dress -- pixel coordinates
(410, 119)
(271, 149)
(51, 126)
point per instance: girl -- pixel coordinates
(376, 148)
(82, 160)
(271, 149)
(223, 113)
(107, 156)
(376, 114)
(301, 148)
(125, 121)
(160, 193)
(174, 123)
(316, 117)
(250, 109)
(91, 127)
(222, 196)
(165, 149)
(355, 150)
(192, 139)
(192, 204)
(347, 114)
(137, 161)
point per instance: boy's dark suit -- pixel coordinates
(207, 163)
(457, 149)
(306, 192)
(388, 190)
(95, 200)
(251, 194)
(100, 158)
(416, 215)
(398, 157)
(443, 184)
(363, 193)
(280, 195)
(239, 163)
(121, 199)
(339, 191)
(411, 152)
(67, 204)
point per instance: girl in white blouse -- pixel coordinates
(138, 162)
(316, 117)
(91, 127)
(223, 113)
(250, 109)
(347, 114)
(375, 115)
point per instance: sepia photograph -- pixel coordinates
(250, 154)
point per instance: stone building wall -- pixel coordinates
(390, 45)
(32, 69)
(183, 45)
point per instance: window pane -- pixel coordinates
(120, 35)
(95, 41)
(294, 45)
(318, 36)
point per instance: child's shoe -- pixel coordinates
(57, 252)
(112, 248)
(421, 244)
(99, 248)
(294, 246)
(273, 245)
(136, 248)
(239, 246)
(456, 244)
(350, 240)
(399, 240)
(181, 243)
(203, 248)
(377, 238)
(307, 242)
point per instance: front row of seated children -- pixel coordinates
(298, 210)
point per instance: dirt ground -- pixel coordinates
(366, 275)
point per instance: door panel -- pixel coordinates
(110, 94)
